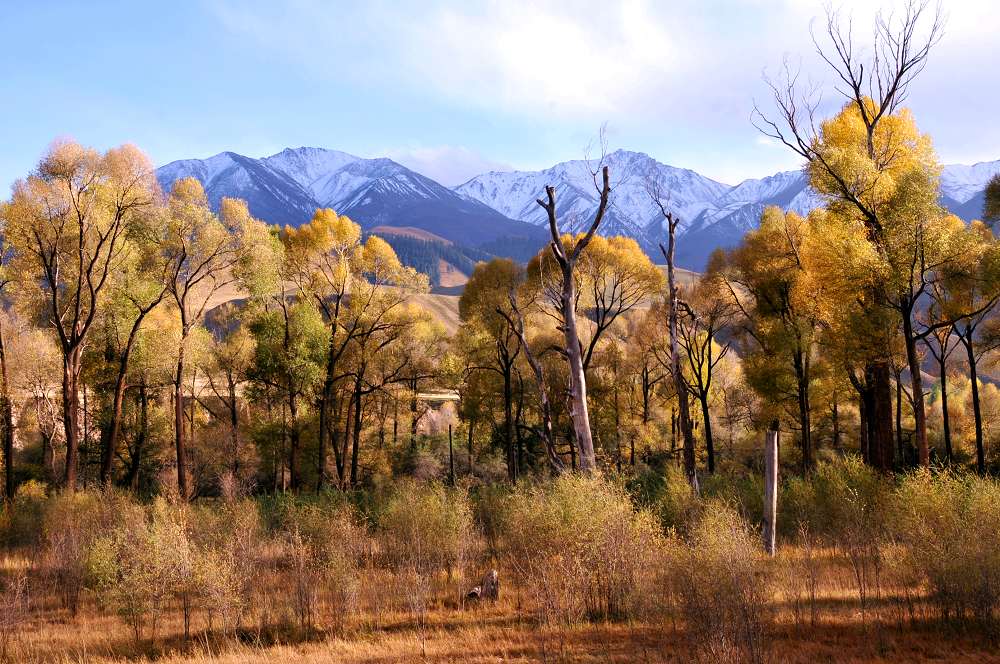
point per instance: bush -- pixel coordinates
(842, 500)
(20, 521)
(581, 547)
(71, 523)
(427, 528)
(843, 504)
(676, 504)
(720, 586)
(947, 525)
(127, 570)
(324, 549)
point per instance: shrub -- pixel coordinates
(128, 573)
(947, 525)
(720, 586)
(677, 505)
(581, 547)
(71, 523)
(15, 610)
(324, 549)
(427, 528)
(843, 504)
(20, 521)
(842, 500)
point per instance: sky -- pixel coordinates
(453, 89)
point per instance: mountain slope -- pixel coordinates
(270, 193)
(287, 187)
(497, 211)
(631, 212)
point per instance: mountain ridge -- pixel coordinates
(497, 210)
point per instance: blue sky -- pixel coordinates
(448, 88)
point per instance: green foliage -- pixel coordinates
(19, 522)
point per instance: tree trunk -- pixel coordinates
(294, 437)
(358, 415)
(977, 412)
(709, 444)
(835, 414)
(132, 480)
(179, 440)
(771, 489)
(324, 407)
(413, 413)
(899, 419)
(917, 387)
(234, 428)
(335, 436)
(646, 388)
(880, 427)
(342, 472)
(71, 414)
(7, 413)
(801, 364)
(680, 386)
(864, 408)
(945, 418)
(471, 425)
(508, 423)
(579, 412)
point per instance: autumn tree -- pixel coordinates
(492, 340)
(357, 286)
(69, 224)
(970, 293)
(139, 286)
(991, 208)
(227, 371)
(767, 283)
(858, 160)
(200, 250)
(6, 404)
(707, 312)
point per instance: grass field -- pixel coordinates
(388, 627)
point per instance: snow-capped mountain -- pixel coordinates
(497, 210)
(963, 188)
(288, 187)
(270, 193)
(631, 211)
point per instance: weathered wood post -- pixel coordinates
(771, 488)
(451, 457)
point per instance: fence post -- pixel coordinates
(771, 488)
(451, 458)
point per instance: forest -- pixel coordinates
(228, 441)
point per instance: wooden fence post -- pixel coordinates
(451, 457)
(771, 488)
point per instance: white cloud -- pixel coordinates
(677, 76)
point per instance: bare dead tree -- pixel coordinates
(566, 257)
(659, 198)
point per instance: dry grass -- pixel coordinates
(385, 630)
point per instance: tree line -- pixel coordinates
(146, 334)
